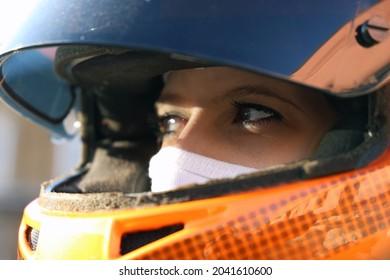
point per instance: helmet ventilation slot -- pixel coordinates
(32, 236)
(135, 240)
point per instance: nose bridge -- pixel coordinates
(197, 133)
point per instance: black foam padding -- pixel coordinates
(119, 167)
(344, 136)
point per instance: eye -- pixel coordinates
(171, 123)
(249, 114)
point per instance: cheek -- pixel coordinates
(276, 147)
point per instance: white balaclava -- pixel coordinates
(173, 167)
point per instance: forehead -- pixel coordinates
(217, 84)
(210, 75)
(206, 83)
(221, 80)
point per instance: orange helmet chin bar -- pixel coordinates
(344, 216)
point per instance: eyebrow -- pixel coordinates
(240, 91)
(250, 90)
(170, 98)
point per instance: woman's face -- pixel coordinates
(240, 117)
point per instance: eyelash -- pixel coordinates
(270, 115)
(179, 120)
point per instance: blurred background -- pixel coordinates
(28, 157)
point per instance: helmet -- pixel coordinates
(96, 69)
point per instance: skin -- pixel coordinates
(241, 117)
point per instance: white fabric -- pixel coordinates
(173, 167)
